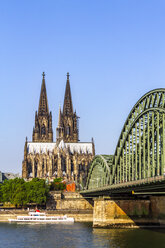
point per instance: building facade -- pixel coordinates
(67, 157)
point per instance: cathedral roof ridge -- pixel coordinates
(34, 142)
(78, 142)
(39, 147)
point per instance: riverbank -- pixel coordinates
(59, 204)
(86, 216)
(103, 212)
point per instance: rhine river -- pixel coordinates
(77, 235)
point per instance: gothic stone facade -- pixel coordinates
(67, 157)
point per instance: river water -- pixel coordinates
(77, 235)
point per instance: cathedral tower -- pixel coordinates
(68, 157)
(42, 132)
(68, 120)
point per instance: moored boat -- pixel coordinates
(37, 217)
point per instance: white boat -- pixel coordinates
(38, 217)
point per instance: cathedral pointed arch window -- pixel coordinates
(43, 130)
(67, 130)
(35, 167)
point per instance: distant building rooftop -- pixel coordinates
(7, 175)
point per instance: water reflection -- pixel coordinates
(128, 238)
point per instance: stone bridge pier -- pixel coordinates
(129, 211)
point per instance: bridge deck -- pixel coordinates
(155, 184)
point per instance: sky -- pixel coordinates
(114, 51)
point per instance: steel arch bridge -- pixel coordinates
(139, 157)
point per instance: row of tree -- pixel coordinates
(20, 193)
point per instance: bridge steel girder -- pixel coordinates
(148, 185)
(99, 174)
(140, 151)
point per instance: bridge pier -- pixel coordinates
(129, 211)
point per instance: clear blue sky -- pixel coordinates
(114, 51)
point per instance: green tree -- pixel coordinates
(20, 196)
(37, 191)
(14, 191)
(57, 184)
(58, 180)
(18, 192)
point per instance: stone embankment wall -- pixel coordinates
(11, 214)
(115, 212)
(72, 204)
(78, 215)
(68, 201)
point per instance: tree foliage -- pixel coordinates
(37, 191)
(18, 192)
(57, 184)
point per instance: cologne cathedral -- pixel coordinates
(67, 157)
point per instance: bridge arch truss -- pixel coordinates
(140, 151)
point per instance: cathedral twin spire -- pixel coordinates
(43, 109)
(42, 131)
(68, 107)
(67, 124)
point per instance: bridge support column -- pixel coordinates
(107, 213)
(129, 211)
